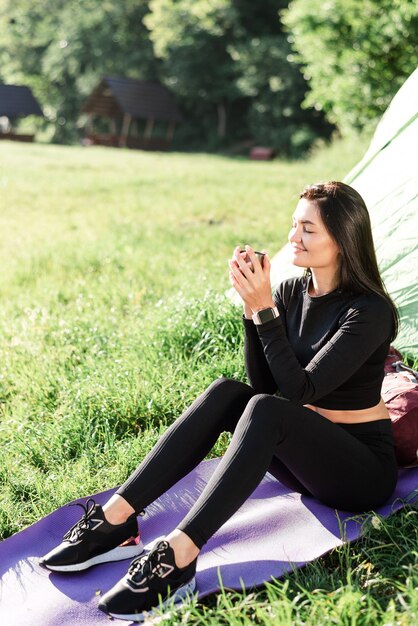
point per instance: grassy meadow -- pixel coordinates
(113, 318)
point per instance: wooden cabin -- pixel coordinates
(132, 109)
(16, 101)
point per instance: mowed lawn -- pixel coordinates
(113, 318)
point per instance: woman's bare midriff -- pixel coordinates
(378, 412)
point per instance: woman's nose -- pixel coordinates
(295, 235)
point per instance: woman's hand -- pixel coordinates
(253, 286)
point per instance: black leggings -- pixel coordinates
(346, 466)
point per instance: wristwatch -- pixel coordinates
(265, 315)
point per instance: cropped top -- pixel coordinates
(328, 351)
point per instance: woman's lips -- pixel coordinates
(298, 250)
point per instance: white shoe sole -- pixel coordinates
(173, 601)
(117, 554)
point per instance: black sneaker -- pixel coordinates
(153, 581)
(92, 540)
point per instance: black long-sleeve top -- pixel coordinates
(328, 351)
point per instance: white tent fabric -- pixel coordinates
(387, 178)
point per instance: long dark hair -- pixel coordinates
(346, 218)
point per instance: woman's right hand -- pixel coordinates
(251, 279)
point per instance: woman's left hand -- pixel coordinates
(253, 286)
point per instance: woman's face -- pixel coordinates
(312, 246)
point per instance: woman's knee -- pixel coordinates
(262, 401)
(227, 387)
(264, 409)
(260, 421)
(227, 398)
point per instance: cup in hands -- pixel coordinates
(260, 256)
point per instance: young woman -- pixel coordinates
(320, 341)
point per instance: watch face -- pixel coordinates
(265, 315)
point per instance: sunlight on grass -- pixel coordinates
(113, 318)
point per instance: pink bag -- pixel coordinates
(400, 395)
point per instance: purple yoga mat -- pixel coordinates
(275, 531)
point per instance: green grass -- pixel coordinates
(113, 318)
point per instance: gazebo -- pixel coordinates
(16, 101)
(132, 108)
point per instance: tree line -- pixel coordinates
(275, 73)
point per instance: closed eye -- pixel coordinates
(305, 230)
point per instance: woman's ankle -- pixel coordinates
(185, 551)
(117, 510)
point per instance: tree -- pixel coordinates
(356, 54)
(232, 56)
(192, 37)
(228, 62)
(274, 84)
(62, 48)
